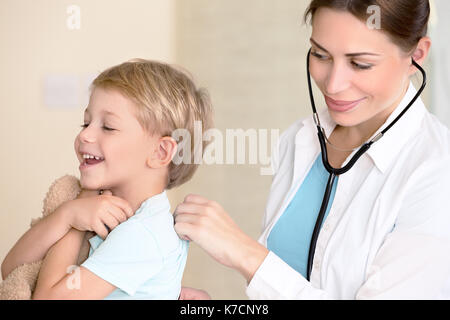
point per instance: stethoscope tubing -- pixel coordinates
(323, 209)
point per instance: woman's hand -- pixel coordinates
(98, 213)
(193, 294)
(207, 224)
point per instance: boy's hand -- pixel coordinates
(98, 213)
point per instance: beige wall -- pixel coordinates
(249, 54)
(36, 141)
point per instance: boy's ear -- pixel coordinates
(163, 153)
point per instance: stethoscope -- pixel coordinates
(336, 172)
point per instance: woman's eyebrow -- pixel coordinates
(348, 54)
(107, 112)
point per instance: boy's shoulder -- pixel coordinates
(152, 219)
(159, 226)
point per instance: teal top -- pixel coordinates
(290, 238)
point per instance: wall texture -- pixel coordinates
(36, 138)
(250, 55)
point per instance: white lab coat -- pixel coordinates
(387, 235)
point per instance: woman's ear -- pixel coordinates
(163, 152)
(420, 53)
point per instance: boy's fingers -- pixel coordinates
(122, 204)
(118, 214)
(101, 230)
(110, 222)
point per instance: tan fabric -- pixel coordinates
(20, 283)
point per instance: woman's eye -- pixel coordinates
(355, 64)
(319, 56)
(361, 66)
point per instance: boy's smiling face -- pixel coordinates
(112, 132)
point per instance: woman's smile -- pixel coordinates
(342, 106)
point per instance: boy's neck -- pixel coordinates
(136, 194)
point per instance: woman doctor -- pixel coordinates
(386, 231)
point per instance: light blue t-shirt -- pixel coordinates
(143, 256)
(290, 238)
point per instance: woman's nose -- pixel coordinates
(338, 80)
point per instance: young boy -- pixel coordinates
(125, 147)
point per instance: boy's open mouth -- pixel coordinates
(90, 160)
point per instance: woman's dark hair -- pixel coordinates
(404, 21)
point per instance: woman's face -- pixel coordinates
(351, 63)
(116, 136)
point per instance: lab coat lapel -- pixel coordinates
(306, 149)
(307, 146)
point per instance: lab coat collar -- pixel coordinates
(384, 151)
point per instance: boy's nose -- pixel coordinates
(87, 135)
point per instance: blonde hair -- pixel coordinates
(167, 99)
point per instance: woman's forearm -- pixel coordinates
(35, 243)
(250, 255)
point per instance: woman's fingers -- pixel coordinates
(191, 208)
(211, 228)
(183, 229)
(195, 198)
(196, 217)
(196, 204)
(186, 218)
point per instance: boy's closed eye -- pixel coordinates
(104, 127)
